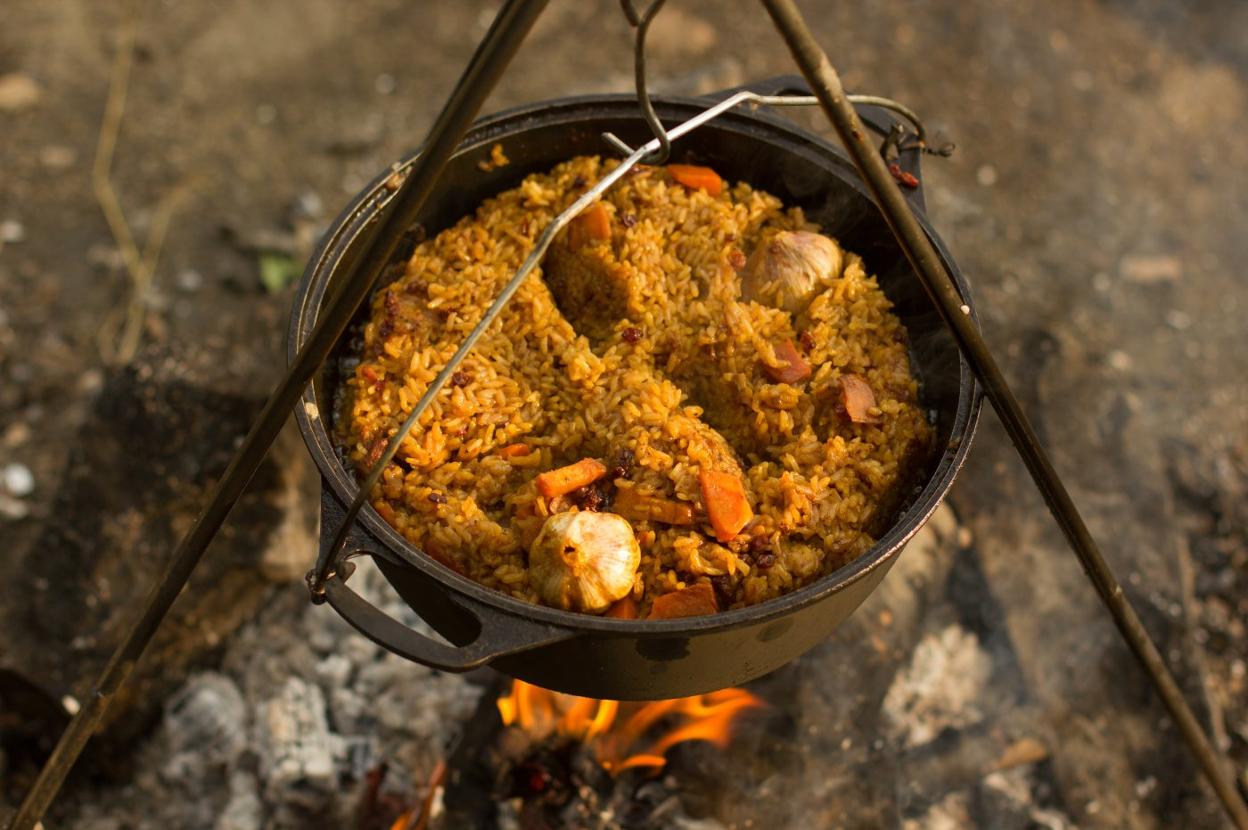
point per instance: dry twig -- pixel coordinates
(141, 267)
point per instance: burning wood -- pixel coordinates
(615, 732)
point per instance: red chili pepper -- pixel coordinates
(903, 177)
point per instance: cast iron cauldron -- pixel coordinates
(633, 659)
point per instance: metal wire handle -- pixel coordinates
(642, 24)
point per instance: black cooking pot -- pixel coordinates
(633, 659)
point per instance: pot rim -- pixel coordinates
(486, 131)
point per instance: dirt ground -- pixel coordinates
(1096, 202)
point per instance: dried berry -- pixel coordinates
(632, 334)
(588, 497)
(764, 560)
(723, 590)
(437, 498)
(736, 259)
(628, 220)
(807, 340)
(460, 379)
(623, 463)
(578, 182)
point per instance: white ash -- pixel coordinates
(301, 710)
(244, 810)
(940, 688)
(297, 750)
(205, 726)
(950, 813)
(1012, 793)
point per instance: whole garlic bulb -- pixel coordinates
(584, 561)
(791, 267)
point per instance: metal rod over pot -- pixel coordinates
(493, 55)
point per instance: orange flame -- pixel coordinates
(617, 741)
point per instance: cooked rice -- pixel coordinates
(690, 392)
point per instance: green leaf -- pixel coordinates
(277, 271)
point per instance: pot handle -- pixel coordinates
(495, 638)
(878, 119)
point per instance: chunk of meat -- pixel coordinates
(640, 507)
(858, 400)
(727, 505)
(564, 480)
(795, 369)
(694, 601)
(695, 177)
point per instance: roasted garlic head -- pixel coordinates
(790, 268)
(584, 561)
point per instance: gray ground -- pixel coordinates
(1096, 202)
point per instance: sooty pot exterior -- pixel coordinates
(630, 659)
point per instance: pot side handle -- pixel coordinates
(496, 638)
(878, 119)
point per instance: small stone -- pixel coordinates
(18, 480)
(1178, 320)
(58, 157)
(18, 91)
(266, 114)
(188, 280)
(308, 204)
(70, 704)
(1102, 282)
(1082, 80)
(11, 231)
(1150, 270)
(986, 175)
(384, 84)
(1119, 360)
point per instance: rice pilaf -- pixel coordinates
(633, 347)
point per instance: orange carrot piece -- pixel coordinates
(564, 480)
(694, 601)
(796, 368)
(625, 609)
(593, 223)
(857, 400)
(726, 503)
(515, 450)
(694, 177)
(633, 505)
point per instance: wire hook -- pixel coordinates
(642, 24)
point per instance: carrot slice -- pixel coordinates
(857, 399)
(633, 505)
(593, 223)
(726, 503)
(694, 601)
(625, 609)
(694, 177)
(514, 450)
(796, 368)
(564, 480)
